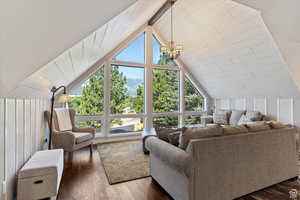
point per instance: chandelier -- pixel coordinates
(172, 51)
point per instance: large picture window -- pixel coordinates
(88, 98)
(193, 99)
(113, 99)
(135, 52)
(165, 90)
(127, 90)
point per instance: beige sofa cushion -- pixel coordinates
(222, 112)
(197, 133)
(277, 125)
(255, 127)
(236, 116)
(231, 130)
(82, 137)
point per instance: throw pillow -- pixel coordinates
(174, 138)
(231, 130)
(254, 115)
(220, 118)
(255, 127)
(235, 116)
(244, 120)
(163, 133)
(197, 133)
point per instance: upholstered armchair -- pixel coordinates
(73, 139)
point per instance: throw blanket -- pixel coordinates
(63, 118)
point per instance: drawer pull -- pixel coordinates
(38, 182)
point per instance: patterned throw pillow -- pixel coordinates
(244, 120)
(220, 118)
(236, 116)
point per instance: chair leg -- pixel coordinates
(91, 148)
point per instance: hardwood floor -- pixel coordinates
(84, 179)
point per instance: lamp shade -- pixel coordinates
(64, 98)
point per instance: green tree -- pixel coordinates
(91, 101)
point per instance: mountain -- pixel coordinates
(132, 85)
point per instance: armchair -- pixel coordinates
(73, 139)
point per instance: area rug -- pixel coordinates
(124, 161)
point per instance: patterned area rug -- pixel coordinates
(124, 161)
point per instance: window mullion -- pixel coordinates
(181, 98)
(107, 79)
(148, 80)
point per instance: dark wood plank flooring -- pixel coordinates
(84, 179)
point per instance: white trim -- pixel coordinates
(166, 67)
(107, 79)
(114, 116)
(292, 112)
(125, 64)
(181, 98)
(278, 109)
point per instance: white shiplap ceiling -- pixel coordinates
(229, 49)
(79, 58)
(35, 32)
(282, 19)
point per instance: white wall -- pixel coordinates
(22, 132)
(286, 110)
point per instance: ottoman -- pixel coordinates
(41, 175)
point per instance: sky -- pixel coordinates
(135, 52)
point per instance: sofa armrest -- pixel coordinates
(65, 140)
(84, 130)
(170, 154)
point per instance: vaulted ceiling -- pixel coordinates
(76, 60)
(233, 50)
(229, 49)
(36, 32)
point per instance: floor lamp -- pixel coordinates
(61, 99)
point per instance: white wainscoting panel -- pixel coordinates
(260, 104)
(285, 110)
(2, 144)
(21, 134)
(10, 147)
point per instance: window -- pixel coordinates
(165, 122)
(126, 125)
(96, 124)
(158, 58)
(87, 99)
(165, 90)
(193, 99)
(135, 52)
(127, 93)
(124, 110)
(192, 120)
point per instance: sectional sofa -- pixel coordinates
(230, 163)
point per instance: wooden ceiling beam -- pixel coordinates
(161, 12)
